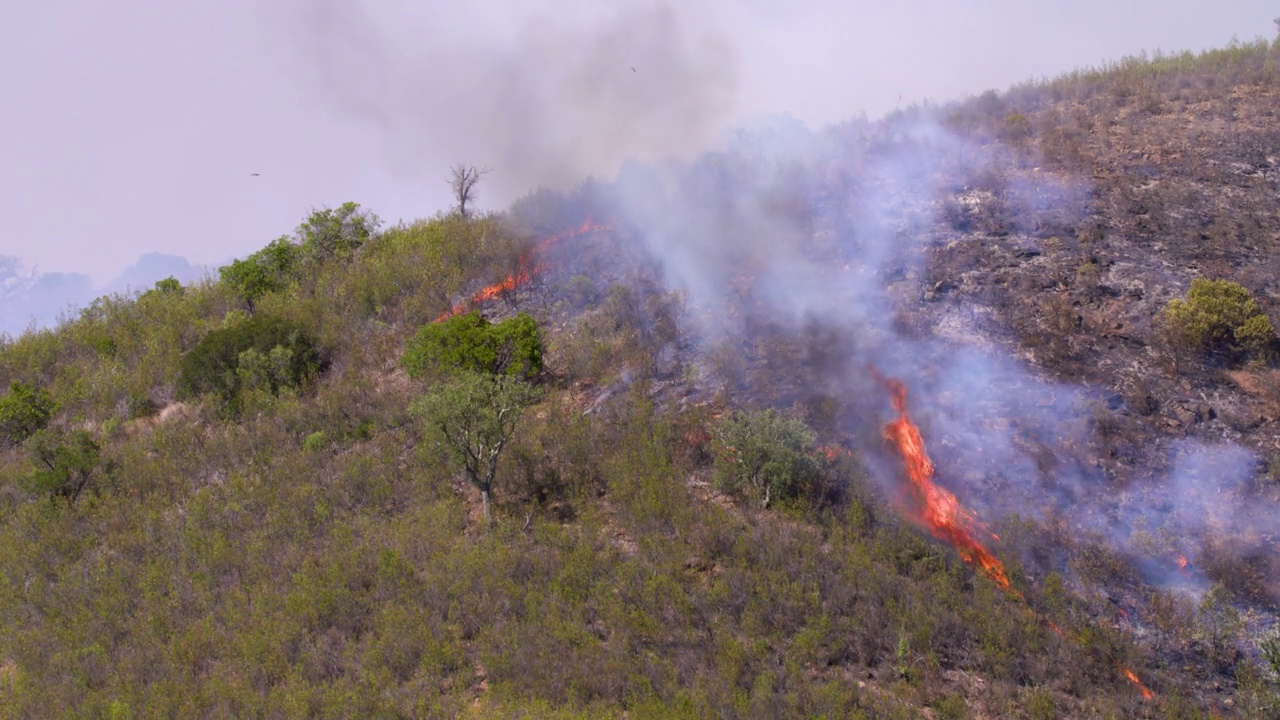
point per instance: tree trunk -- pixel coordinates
(484, 498)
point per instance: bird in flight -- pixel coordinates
(253, 175)
(633, 68)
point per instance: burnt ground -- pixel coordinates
(1101, 198)
(1062, 253)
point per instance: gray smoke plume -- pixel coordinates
(549, 105)
(783, 225)
(778, 225)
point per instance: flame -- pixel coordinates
(940, 512)
(831, 452)
(943, 515)
(524, 273)
(1147, 694)
(1182, 561)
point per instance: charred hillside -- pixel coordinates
(885, 420)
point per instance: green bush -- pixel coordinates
(265, 271)
(766, 455)
(23, 411)
(316, 441)
(471, 343)
(166, 287)
(262, 352)
(64, 464)
(1219, 316)
(331, 232)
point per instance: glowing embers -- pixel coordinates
(936, 508)
(525, 272)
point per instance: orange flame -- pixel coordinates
(831, 452)
(1182, 561)
(940, 512)
(522, 275)
(1147, 694)
(943, 515)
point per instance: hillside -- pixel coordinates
(1000, 482)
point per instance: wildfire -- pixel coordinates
(831, 452)
(1147, 694)
(943, 515)
(525, 272)
(940, 512)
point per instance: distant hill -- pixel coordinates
(31, 299)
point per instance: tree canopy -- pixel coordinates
(469, 342)
(476, 413)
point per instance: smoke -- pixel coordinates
(546, 104)
(783, 226)
(778, 225)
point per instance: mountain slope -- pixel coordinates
(312, 550)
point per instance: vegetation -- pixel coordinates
(259, 353)
(64, 464)
(476, 414)
(470, 342)
(165, 552)
(1220, 316)
(766, 456)
(266, 271)
(24, 410)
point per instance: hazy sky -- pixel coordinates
(134, 126)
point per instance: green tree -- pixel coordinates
(1219, 316)
(469, 342)
(167, 286)
(765, 454)
(266, 352)
(330, 232)
(265, 271)
(24, 411)
(64, 464)
(475, 414)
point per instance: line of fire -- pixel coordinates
(934, 508)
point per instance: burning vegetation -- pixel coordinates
(934, 507)
(657, 481)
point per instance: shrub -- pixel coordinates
(765, 454)
(64, 464)
(1219, 316)
(165, 287)
(471, 343)
(265, 352)
(337, 231)
(265, 271)
(23, 412)
(316, 441)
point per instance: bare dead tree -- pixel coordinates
(463, 180)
